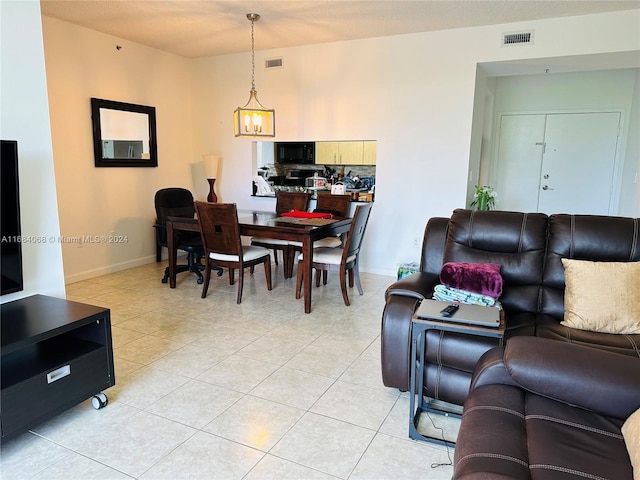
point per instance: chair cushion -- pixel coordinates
(328, 242)
(330, 256)
(249, 252)
(602, 296)
(270, 241)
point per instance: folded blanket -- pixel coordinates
(301, 214)
(450, 294)
(482, 278)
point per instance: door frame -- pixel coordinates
(618, 161)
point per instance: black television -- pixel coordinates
(11, 240)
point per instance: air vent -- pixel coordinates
(273, 63)
(517, 38)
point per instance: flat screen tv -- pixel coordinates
(11, 241)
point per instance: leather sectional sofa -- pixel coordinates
(529, 247)
(542, 409)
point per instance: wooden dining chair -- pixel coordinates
(223, 247)
(285, 202)
(337, 205)
(343, 260)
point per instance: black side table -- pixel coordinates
(416, 385)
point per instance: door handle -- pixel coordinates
(546, 187)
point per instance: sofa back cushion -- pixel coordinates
(584, 237)
(514, 240)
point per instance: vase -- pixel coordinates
(212, 194)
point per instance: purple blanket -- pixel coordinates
(482, 278)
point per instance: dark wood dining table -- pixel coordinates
(267, 224)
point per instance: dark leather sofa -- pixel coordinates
(529, 248)
(543, 409)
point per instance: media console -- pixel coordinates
(54, 354)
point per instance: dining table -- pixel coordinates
(267, 224)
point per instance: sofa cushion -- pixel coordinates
(596, 238)
(563, 439)
(602, 296)
(482, 278)
(493, 435)
(631, 434)
(516, 241)
(507, 432)
(548, 327)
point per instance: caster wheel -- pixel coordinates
(164, 280)
(219, 273)
(99, 401)
(199, 281)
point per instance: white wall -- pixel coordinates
(24, 117)
(414, 94)
(81, 64)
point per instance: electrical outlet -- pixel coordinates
(416, 242)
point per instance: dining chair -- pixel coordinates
(285, 202)
(178, 202)
(223, 247)
(337, 205)
(344, 260)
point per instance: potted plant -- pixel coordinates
(484, 198)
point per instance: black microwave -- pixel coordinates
(295, 152)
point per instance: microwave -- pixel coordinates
(295, 152)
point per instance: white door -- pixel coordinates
(557, 163)
(578, 163)
(519, 159)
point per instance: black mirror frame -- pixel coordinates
(100, 161)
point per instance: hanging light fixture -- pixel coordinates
(253, 120)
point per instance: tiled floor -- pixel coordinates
(208, 389)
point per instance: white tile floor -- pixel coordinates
(208, 389)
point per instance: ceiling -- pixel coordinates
(216, 27)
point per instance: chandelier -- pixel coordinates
(254, 120)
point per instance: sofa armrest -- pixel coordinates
(417, 285)
(591, 378)
(491, 370)
(395, 339)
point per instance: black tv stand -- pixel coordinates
(54, 354)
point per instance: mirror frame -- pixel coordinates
(100, 161)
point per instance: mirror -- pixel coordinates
(124, 134)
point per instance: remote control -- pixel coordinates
(449, 310)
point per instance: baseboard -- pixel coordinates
(108, 269)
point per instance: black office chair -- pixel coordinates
(178, 202)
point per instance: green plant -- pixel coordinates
(484, 198)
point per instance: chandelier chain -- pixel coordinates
(253, 61)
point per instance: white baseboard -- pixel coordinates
(108, 269)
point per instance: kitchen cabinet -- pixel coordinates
(328, 153)
(346, 153)
(369, 155)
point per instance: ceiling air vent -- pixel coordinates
(517, 38)
(273, 63)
